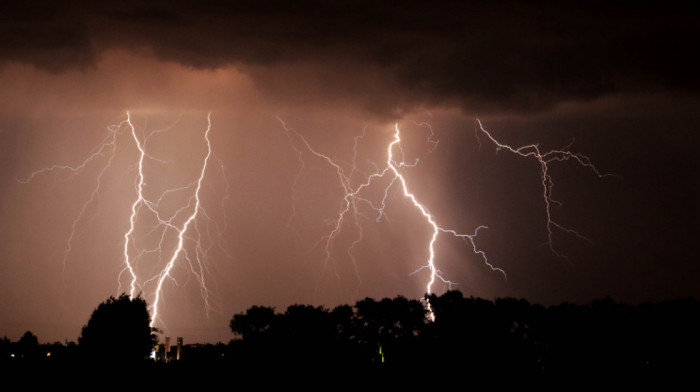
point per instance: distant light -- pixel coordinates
(12, 355)
(48, 354)
(153, 354)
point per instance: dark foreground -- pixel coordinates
(390, 344)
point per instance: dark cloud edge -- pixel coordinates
(483, 55)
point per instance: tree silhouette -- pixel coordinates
(255, 323)
(28, 346)
(118, 330)
(472, 336)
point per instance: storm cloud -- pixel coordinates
(484, 55)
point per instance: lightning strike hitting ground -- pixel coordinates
(138, 277)
(430, 264)
(134, 208)
(353, 197)
(166, 271)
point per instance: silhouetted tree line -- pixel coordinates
(113, 349)
(475, 336)
(28, 349)
(392, 338)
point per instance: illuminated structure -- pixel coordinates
(166, 353)
(179, 348)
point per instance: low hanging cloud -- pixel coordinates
(488, 55)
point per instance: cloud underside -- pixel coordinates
(485, 55)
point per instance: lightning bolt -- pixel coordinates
(392, 173)
(430, 263)
(134, 207)
(187, 230)
(165, 273)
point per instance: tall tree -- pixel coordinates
(119, 329)
(28, 346)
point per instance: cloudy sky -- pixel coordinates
(618, 79)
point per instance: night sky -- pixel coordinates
(618, 78)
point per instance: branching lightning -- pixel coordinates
(544, 159)
(430, 264)
(107, 148)
(165, 273)
(144, 279)
(393, 173)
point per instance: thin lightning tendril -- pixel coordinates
(544, 159)
(349, 200)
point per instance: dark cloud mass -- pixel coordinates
(482, 55)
